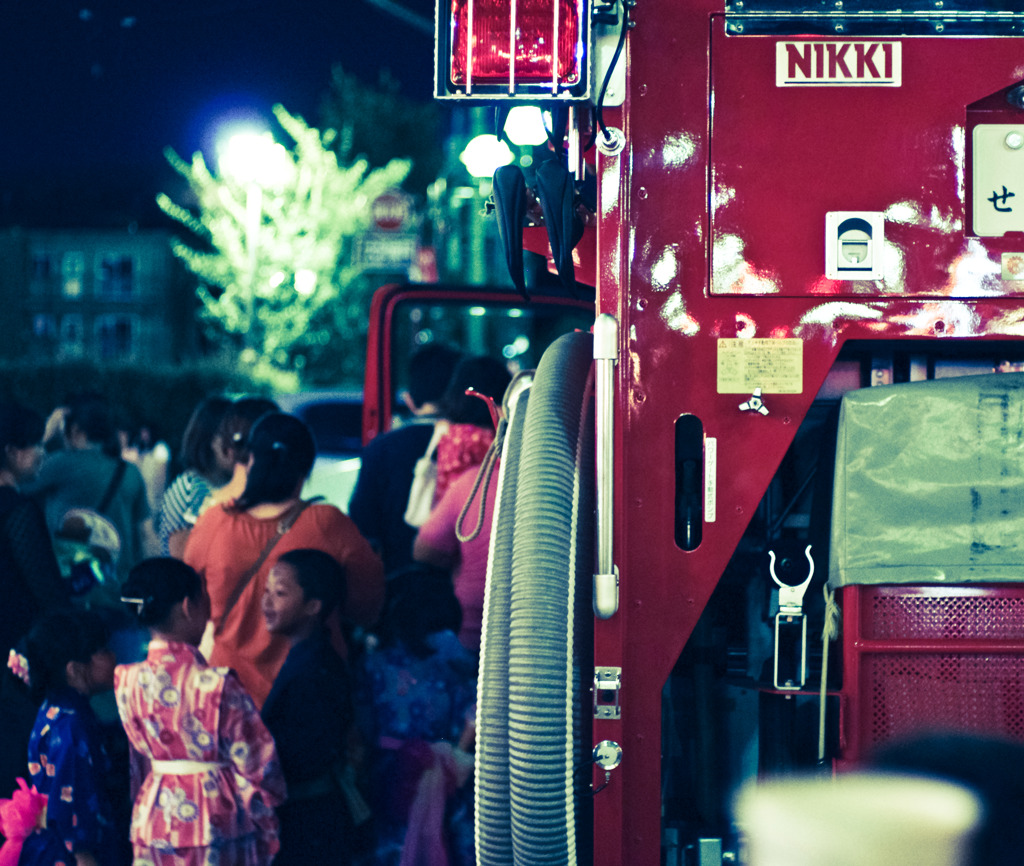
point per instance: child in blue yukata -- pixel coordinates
(68, 662)
(309, 711)
(419, 685)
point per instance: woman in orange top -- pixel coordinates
(229, 539)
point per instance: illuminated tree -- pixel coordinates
(275, 265)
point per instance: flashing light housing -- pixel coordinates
(527, 49)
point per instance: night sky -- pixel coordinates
(92, 92)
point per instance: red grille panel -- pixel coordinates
(968, 693)
(954, 617)
(931, 657)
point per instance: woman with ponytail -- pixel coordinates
(234, 546)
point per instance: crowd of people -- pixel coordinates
(207, 668)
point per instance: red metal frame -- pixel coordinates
(711, 226)
(690, 178)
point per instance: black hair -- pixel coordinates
(20, 427)
(283, 452)
(430, 371)
(197, 441)
(238, 421)
(57, 638)
(320, 576)
(992, 767)
(420, 601)
(481, 373)
(91, 414)
(145, 435)
(156, 585)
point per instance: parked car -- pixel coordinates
(335, 417)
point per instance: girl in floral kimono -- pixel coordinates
(214, 777)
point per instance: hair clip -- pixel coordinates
(17, 664)
(138, 602)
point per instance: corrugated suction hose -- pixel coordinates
(550, 622)
(493, 810)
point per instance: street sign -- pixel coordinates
(391, 211)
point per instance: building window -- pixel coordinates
(44, 272)
(44, 327)
(115, 337)
(72, 269)
(43, 342)
(42, 266)
(72, 336)
(115, 276)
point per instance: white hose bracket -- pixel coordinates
(790, 658)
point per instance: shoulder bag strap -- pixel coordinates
(115, 482)
(286, 522)
(440, 429)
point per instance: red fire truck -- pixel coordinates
(775, 205)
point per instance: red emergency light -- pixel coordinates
(494, 49)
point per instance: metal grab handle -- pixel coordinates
(606, 354)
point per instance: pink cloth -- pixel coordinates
(424, 837)
(470, 574)
(461, 448)
(174, 707)
(19, 817)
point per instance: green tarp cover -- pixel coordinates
(929, 483)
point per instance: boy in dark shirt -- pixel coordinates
(309, 710)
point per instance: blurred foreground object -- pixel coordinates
(857, 819)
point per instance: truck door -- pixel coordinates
(476, 320)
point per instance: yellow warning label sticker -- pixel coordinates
(776, 366)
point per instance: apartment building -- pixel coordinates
(94, 294)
